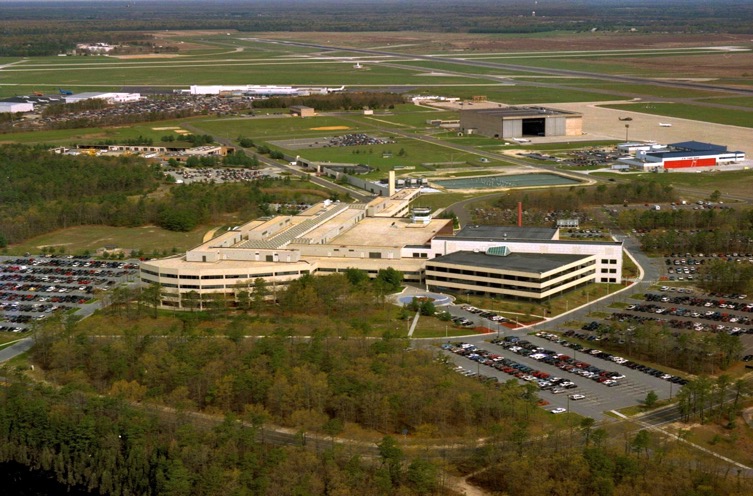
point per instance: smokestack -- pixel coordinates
(520, 214)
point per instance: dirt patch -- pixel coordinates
(168, 128)
(329, 128)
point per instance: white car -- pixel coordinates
(576, 397)
(558, 410)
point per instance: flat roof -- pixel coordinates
(397, 232)
(520, 262)
(519, 112)
(506, 233)
(699, 146)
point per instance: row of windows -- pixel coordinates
(237, 276)
(509, 287)
(610, 261)
(493, 275)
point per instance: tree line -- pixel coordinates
(692, 352)
(108, 446)
(46, 191)
(336, 101)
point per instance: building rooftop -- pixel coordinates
(520, 262)
(698, 146)
(374, 231)
(506, 232)
(518, 112)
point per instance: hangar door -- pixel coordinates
(512, 128)
(556, 126)
(534, 127)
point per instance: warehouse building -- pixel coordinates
(108, 97)
(517, 122)
(683, 155)
(15, 107)
(330, 237)
(302, 111)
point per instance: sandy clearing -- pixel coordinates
(168, 128)
(329, 128)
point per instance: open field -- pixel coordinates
(734, 183)
(92, 135)
(739, 101)
(689, 111)
(147, 238)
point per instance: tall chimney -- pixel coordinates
(520, 214)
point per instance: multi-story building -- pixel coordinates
(331, 237)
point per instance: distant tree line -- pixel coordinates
(108, 446)
(44, 191)
(335, 101)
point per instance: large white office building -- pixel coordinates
(519, 262)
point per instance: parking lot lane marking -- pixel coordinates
(618, 414)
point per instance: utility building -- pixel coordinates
(516, 122)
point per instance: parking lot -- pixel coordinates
(581, 380)
(33, 288)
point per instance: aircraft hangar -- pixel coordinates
(519, 122)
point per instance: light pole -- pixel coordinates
(627, 128)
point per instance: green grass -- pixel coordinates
(640, 89)
(76, 240)
(441, 200)
(730, 182)
(87, 73)
(92, 135)
(741, 101)
(693, 112)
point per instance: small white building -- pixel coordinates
(15, 107)
(109, 97)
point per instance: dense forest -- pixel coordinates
(45, 28)
(338, 101)
(46, 191)
(226, 382)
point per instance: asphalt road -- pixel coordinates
(12, 351)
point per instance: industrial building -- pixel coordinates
(109, 97)
(517, 122)
(331, 237)
(15, 107)
(302, 111)
(258, 91)
(683, 155)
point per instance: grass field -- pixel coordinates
(76, 240)
(693, 112)
(731, 182)
(639, 89)
(737, 101)
(92, 135)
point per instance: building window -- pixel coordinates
(375, 254)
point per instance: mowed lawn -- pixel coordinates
(91, 136)
(76, 240)
(735, 183)
(686, 111)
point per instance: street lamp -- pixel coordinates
(627, 128)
